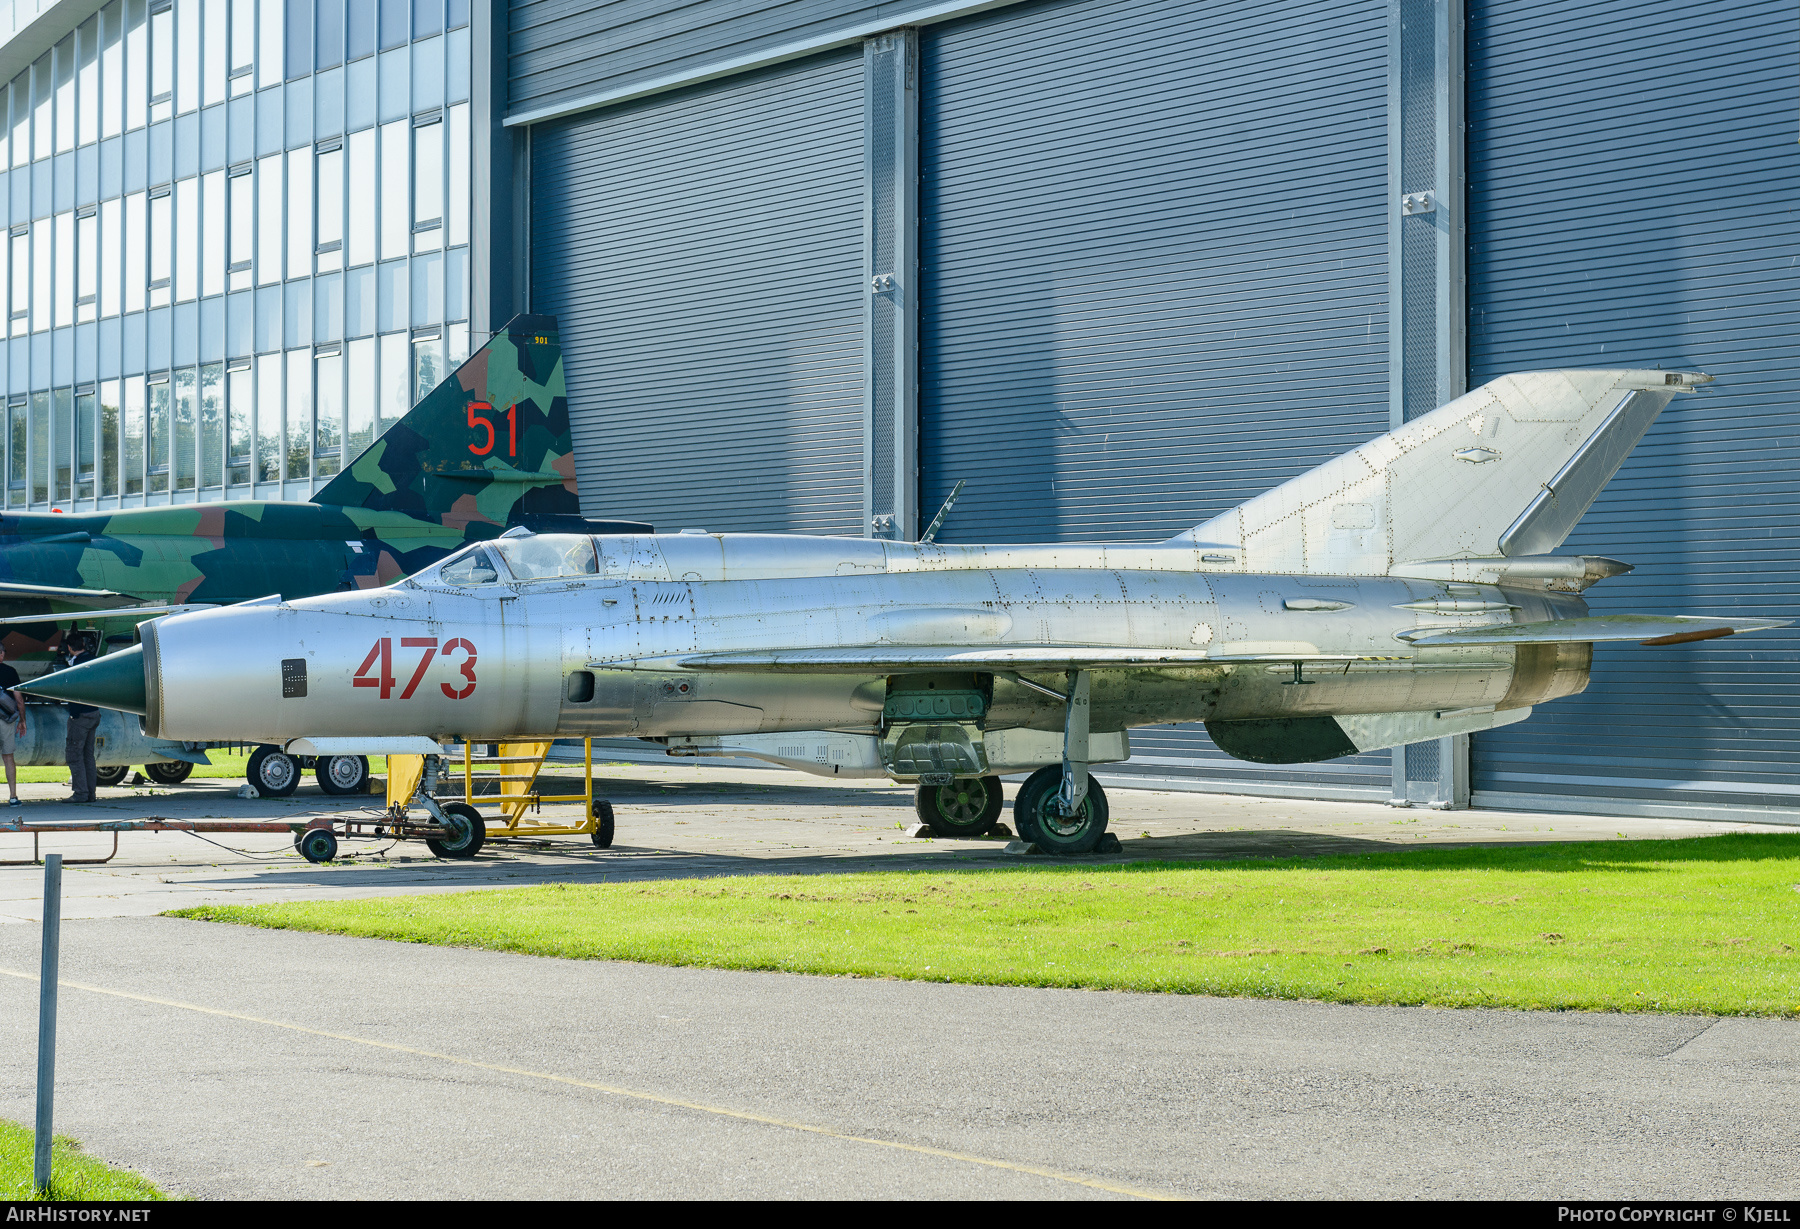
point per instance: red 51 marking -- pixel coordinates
(381, 656)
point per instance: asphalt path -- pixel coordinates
(226, 1062)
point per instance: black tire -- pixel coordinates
(965, 808)
(317, 845)
(112, 774)
(1039, 821)
(168, 772)
(342, 774)
(273, 772)
(466, 836)
(603, 834)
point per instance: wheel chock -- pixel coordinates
(1021, 847)
(1108, 843)
(922, 830)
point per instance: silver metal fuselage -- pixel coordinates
(511, 660)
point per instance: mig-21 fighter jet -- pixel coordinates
(1407, 590)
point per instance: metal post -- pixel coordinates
(890, 292)
(47, 976)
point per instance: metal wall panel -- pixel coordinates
(563, 49)
(703, 252)
(1632, 172)
(1155, 276)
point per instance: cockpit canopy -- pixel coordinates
(544, 556)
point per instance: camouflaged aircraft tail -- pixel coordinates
(489, 446)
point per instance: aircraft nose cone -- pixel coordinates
(113, 681)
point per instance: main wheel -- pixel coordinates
(603, 833)
(317, 845)
(112, 774)
(465, 834)
(342, 774)
(1041, 821)
(273, 772)
(168, 772)
(964, 808)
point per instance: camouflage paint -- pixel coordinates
(438, 478)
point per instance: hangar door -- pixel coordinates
(1154, 279)
(702, 251)
(1649, 268)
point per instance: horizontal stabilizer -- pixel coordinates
(1645, 629)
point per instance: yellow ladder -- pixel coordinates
(515, 771)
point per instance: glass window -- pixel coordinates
(243, 227)
(212, 424)
(21, 120)
(360, 398)
(299, 219)
(137, 252)
(268, 205)
(137, 65)
(458, 219)
(40, 275)
(184, 450)
(40, 448)
(243, 46)
(85, 474)
(156, 441)
(396, 381)
(299, 40)
(162, 65)
(456, 346)
(548, 555)
(109, 438)
(65, 269)
(360, 247)
(299, 415)
(328, 414)
(87, 112)
(239, 418)
(428, 186)
(428, 366)
(187, 239)
(62, 442)
(111, 266)
(212, 235)
(21, 284)
(359, 39)
(393, 22)
(161, 258)
(187, 56)
(64, 55)
(269, 58)
(42, 138)
(212, 82)
(396, 205)
(18, 452)
(87, 267)
(473, 567)
(268, 418)
(428, 17)
(112, 69)
(331, 211)
(328, 51)
(132, 416)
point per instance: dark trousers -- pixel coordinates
(83, 779)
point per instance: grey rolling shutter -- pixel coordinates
(1155, 278)
(702, 252)
(1629, 207)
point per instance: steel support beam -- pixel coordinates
(890, 281)
(1427, 284)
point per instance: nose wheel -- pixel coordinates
(464, 833)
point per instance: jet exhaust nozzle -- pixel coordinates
(114, 681)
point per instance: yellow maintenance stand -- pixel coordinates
(509, 778)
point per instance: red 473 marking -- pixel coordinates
(381, 659)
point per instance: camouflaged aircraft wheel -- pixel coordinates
(603, 831)
(112, 774)
(342, 774)
(273, 772)
(168, 772)
(965, 808)
(317, 845)
(466, 834)
(1040, 821)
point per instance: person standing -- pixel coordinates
(12, 725)
(84, 720)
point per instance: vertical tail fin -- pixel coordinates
(490, 445)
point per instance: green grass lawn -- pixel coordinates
(1704, 925)
(73, 1174)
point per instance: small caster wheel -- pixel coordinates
(464, 835)
(317, 845)
(603, 834)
